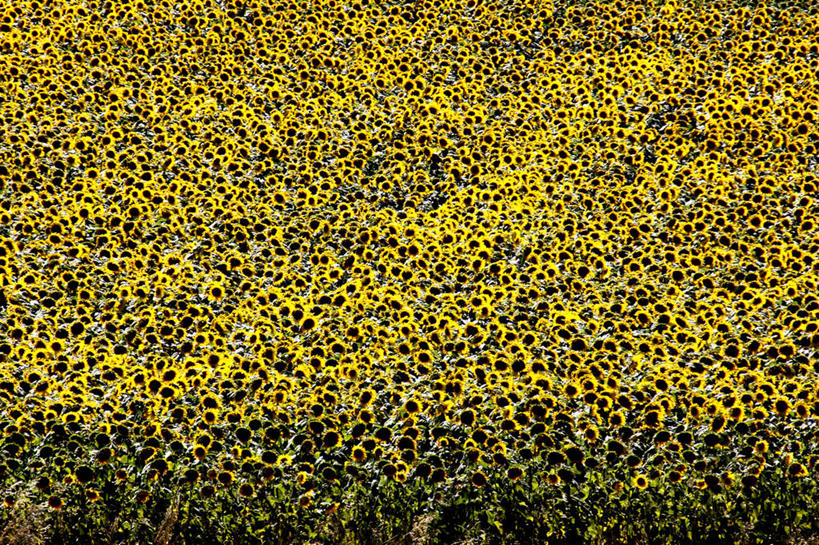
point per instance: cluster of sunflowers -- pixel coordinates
(286, 250)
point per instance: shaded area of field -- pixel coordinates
(503, 513)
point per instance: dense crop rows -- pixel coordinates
(380, 271)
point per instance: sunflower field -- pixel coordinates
(393, 272)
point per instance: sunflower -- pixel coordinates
(246, 490)
(55, 503)
(514, 473)
(92, 495)
(412, 406)
(591, 434)
(215, 291)
(225, 478)
(84, 474)
(617, 419)
(142, 496)
(331, 439)
(366, 397)
(797, 470)
(479, 479)
(718, 423)
(43, 484)
(782, 406)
